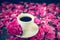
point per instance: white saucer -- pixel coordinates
(32, 30)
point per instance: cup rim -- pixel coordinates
(23, 15)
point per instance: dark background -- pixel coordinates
(35, 1)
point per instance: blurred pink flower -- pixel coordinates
(58, 26)
(50, 35)
(14, 28)
(50, 16)
(37, 21)
(10, 6)
(19, 6)
(32, 12)
(1, 24)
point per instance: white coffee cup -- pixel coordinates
(29, 28)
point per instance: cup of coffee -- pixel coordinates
(25, 20)
(28, 26)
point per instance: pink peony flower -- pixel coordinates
(43, 11)
(58, 26)
(14, 28)
(10, 6)
(13, 15)
(18, 6)
(32, 8)
(31, 4)
(17, 11)
(55, 21)
(57, 9)
(50, 16)
(37, 21)
(25, 10)
(50, 35)
(32, 12)
(1, 24)
(33, 38)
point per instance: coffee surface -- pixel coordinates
(25, 19)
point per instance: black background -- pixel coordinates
(35, 1)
